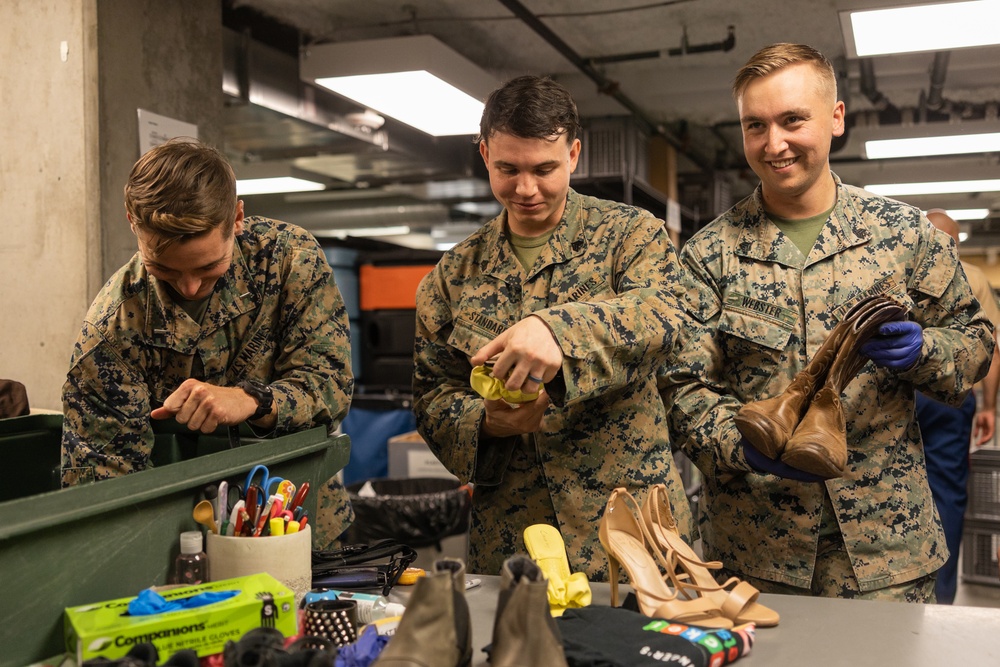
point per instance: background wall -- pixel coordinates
(69, 132)
(49, 194)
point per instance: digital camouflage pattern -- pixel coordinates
(605, 284)
(276, 317)
(759, 312)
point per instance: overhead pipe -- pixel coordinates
(935, 101)
(888, 113)
(685, 48)
(604, 85)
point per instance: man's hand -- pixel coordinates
(897, 345)
(502, 420)
(526, 354)
(205, 407)
(983, 426)
(761, 463)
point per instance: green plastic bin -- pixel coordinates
(66, 547)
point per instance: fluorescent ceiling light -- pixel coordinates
(967, 213)
(935, 27)
(935, 188)
(397, 230)
(942, 145)
(266, 186)
(416, 80)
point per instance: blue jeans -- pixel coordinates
(947, 432)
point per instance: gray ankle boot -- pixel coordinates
(436, 629)
(524, 632)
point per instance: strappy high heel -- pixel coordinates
(625, 540)
(737, 599)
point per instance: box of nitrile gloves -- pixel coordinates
(108, 630)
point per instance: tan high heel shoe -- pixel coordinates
(737, 599)
(625, 540)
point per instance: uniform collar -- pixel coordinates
(760, 239)
(567, 241)
(167, 325)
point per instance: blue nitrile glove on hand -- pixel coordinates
(761, 463)
(897, 345)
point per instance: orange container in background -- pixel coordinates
(390, 287)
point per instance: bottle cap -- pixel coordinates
(191, 542)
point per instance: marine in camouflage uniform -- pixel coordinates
(605, 285)
(275, 317)
(760, 310)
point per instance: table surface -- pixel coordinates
(822, 631)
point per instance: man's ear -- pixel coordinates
(238, 221)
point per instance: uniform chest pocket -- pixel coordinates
(754, 347)
(468, 337)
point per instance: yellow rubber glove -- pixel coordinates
(492, 388)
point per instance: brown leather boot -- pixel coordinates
(524, 632)
(768, 424)
(819, 443)
(436, 629)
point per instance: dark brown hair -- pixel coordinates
(530, 107)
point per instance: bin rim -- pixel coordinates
(37, 512)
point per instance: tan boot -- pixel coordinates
(436, 629)
(819, 443)
(768, 424)
(524, 632)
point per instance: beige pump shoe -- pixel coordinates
(736, 599)
(626, 542)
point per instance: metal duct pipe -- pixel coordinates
(935, 99)
(887, 111)
(604, 84)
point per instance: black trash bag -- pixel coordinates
(418, 512)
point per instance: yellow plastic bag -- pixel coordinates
(492, 388)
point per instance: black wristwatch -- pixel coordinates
(262, 394)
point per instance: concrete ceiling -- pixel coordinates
(666, 64)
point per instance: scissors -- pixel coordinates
(264, 490)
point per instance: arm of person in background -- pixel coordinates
(602, 341)
(984, 425)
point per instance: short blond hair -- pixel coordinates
(776, 57)
(180, 189)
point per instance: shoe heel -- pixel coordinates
(613, 578)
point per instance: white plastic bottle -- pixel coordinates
(371, 607)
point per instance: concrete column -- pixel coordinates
(75, 72)
(49, 193)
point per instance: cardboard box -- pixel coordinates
(105, 630)
(409, 456)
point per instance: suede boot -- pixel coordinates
(436, 629)
(524, 632)
(819, 443)
(768, 424)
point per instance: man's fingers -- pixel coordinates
(161, 413)
(488, 351)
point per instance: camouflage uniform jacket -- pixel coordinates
(765, 310)
(605, 284)
(276, 317)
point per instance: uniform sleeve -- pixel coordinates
(448, 411)
(312, 380)
(611, 343)
(693, 385)
(958, 338)
(106, 424)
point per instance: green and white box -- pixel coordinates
(106, 630)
